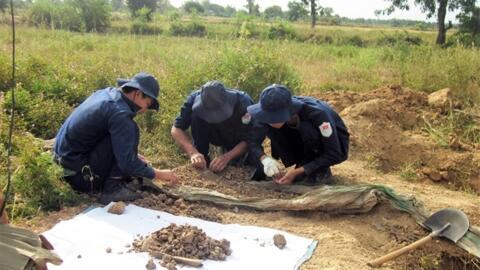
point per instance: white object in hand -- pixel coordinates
(271, 166)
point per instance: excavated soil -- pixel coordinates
(232, 181)
(184, 241)
(387, 128)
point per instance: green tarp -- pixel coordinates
(337, 199)
(20, 247)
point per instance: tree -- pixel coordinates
(94, 13)
(3, 4)
(253, 9)
(213, 9)
(135, 5)
(116, 5)
(164, 6)
(296, 10)
(470, 21)
(230, 11)
(193, 6)
(273, 12)
(432, 8)
(325, 11)
(313, 10)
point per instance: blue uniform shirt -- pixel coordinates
(330, 146)
(106, 112)
(226, 134)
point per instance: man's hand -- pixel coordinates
(271, 167)
(198, 160)
(219, 163)
(166, 176)
(289, 177)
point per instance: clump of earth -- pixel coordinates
(117, 208)
(183, 241)
(279, 240)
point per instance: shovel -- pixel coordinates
(448, 223)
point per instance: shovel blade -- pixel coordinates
(458, 221)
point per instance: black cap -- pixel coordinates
(145, 83)
(215, 104)
(276, 105)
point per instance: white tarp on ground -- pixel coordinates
(82, 241)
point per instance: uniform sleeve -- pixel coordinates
(255, 138)
(332, 151)
(125, 137)
(184, 119)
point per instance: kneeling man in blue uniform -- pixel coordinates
(216, 116)
(303, 131)
(98, 144)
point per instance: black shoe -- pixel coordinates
(114, 190)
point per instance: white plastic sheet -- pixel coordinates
(82, 241)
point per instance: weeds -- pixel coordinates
(453, 126)
(409, 171)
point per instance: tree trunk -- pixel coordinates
(3, 216)
(250, 7)
(441, 14)
(313, 12)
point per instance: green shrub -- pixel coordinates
(281, 30)
(399, 39)
(191, 29)
(69, 19)
(72, 15)
(356, 41)
(319, 39)
(37, 184)
(95, 14)
(40, 116)
(463, 39)
(43, 13)
(247, 29)
(252, 68)
(142, 28)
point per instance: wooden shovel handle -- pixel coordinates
(394, 254)
(182, 260)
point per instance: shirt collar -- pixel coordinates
(135, 108)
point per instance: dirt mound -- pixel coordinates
(388, 128)
(184, 241)
(232, 181)
(176, 206)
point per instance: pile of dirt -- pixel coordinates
(183, 241)
(232, 181)
(388, 129)
(176, 206)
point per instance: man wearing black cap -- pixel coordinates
(98, 144)
(303, 131)
(216, 116)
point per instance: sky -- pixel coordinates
(343, 8)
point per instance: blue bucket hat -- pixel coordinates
(145, 83)
(276, 105)
(215, 104)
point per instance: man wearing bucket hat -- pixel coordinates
(98, 143)
(216, 116)
(303, 131)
